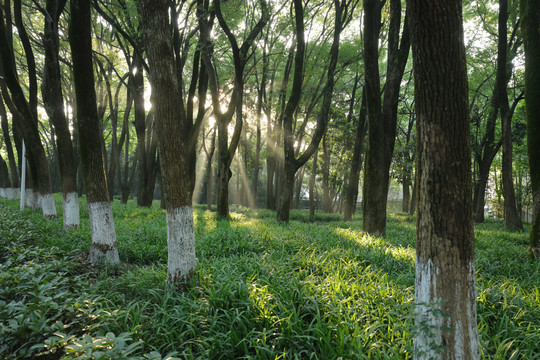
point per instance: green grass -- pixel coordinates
(320, 290)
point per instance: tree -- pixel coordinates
(29, 123)
(293, 160)
(530, 23)
(382, 115)
(125, 22)
(511, 216)
(54, 105)
(103, 248)
(356, 161)
(226, 150)
(171, 123)
(11, 156)
(445, 288)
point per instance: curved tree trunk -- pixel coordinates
(103, 248)
(445, 287)
(530, 23)
(291, 162)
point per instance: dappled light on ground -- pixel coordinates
(264, 290)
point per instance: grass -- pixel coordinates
(321, 290)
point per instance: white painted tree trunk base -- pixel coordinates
(3, 193)
(15, 194)
(29, 198)
(181, 246)
(48, 206)
(70, 203)
(103, 248)
(431, 322)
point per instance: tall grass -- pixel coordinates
(320, 290)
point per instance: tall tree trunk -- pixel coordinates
(406, 191)
(312, 187)
(356, 162)
(5, 183)
(412, 208)
(530, 23)
(54, 104)
(325, 168)
(29, 127)
(210, 173)
(381, 121)
(11, 156)
(144, 176)
(103, 248)
(511, 216)
(445, 287)
(173, 157)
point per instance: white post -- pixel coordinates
(23, 176)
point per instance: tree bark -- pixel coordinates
(381, 121)
(103, 248)
(511, 216)
(356, 162)
(9, 148)
(445, 288)
(530, 23)
(146, 174)
(312, 187)
(29, 126)
(54, 105)
(170, 124)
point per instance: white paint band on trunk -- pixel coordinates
(428, 321)
(16, 193)
(181, 244)
(48, 206)
(103, 249)
(71, 210)
(29, 198)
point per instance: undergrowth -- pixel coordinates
(319, 290)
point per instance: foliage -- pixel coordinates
(264, 291)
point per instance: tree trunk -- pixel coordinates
(381, 121)
(170, 124)
(291, 162)
(406, 191)
(356, 162)
(511, 216)
(103, 248)
(412, 208)
(445, 288)
(530, 23)
(54, 104)
(29, 127)
(312, 187)
(144, 176)
(326, 198)
(210, 172)
(286, 193)
(11, 156)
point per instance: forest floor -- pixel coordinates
(264, 290)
